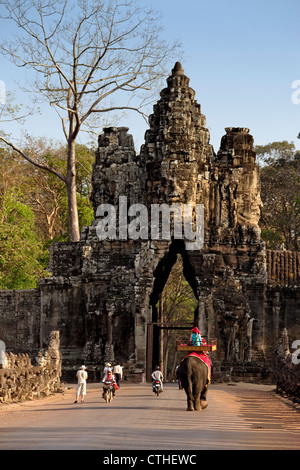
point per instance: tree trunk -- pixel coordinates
(166, 354)
(72, 196)
(173, 368)
(295, 231)
(161, 334)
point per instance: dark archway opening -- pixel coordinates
(164, 328)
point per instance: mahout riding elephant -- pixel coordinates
(194, 378)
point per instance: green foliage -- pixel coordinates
(34, 209)
(85, 211)
(20, 250)
(275, 152)
(280, 189)
(178, 298)
(273, 239)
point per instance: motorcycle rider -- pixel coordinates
(109, 380)
(106, 369)
(157, 375)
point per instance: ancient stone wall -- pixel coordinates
(20, 319)
(21, 380)
(102, 294)
(281, 311)
(283, 267)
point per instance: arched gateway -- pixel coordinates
(102, 294)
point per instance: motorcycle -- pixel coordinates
(108, 393)
(157, 387)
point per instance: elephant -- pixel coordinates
(193, 375)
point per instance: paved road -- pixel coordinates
(238, 417)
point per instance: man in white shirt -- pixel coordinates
(81, 384)
(118, 373)
(157, 375)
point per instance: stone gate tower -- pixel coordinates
(102, 294)
(118, 281)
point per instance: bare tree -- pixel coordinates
(85, 52)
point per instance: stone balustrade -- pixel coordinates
(287, 369)
(283, 267)
(21, 380)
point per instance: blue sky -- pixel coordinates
(241, 57)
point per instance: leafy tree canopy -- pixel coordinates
(280, 193)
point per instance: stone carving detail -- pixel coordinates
(287, 369)
(283, 267)
(20, 380)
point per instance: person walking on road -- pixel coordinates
(81, 384)
(118, 373)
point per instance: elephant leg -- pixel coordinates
(190, 398)
(190, 404)
(203, 401)
(197, 403)
(196, 397)
(186, 387)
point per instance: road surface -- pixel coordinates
(238, 417)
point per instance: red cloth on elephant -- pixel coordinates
(203, 356)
